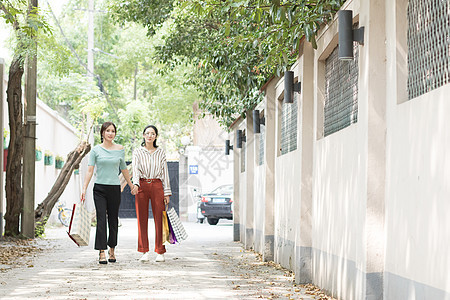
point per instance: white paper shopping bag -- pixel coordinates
(80, 225)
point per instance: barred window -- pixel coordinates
(261, 145)
(428, 42)
(243, 150)
(341, 92)
(289, 126)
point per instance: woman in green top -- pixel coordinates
(109, 158)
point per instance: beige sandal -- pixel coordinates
(102, 258)
(112, 257)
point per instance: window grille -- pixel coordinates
(243, 150)
(341, 91)
(261, 145)
(428, 41)
(289, 126)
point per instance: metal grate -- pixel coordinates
(341, 91)
(289, 126)
(261, 145)
(428, 45)
(243, 149)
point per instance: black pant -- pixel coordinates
(107, 201)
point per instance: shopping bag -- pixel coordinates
(172, 237)
(165, 228)
(178, 228)
(80, 225)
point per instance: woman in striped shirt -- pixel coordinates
(151, 176)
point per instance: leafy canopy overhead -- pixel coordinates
(127, 83)
(26, 22)
(236, 45)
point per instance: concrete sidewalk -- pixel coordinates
(209, 265)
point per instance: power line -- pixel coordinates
(69, 44)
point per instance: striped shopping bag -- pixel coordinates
(80, 225)
(175, 223)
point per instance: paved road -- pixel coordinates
(209, 265)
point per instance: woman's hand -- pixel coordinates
(134, 190)
(83, 196)
(166, 200)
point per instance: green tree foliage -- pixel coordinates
(150, 13)
(236, 45)
(134, 92)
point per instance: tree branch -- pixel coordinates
(69, 44)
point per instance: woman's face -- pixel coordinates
(149, 135)
(109, 134)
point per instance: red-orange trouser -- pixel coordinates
(150, 189)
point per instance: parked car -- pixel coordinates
(218, 204)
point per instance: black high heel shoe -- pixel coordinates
(102, 260)
(112, 257)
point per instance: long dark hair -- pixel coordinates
(104, 126)
(156, 131)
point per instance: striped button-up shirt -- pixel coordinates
(151, 166)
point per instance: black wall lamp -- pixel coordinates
(228, 147)
(257, 121)
(240, 138)
(290, 87)
(348, 35)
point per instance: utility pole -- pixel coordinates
(91, 39)
(135, 82)
(90, 62)
(29, 157)
(90, 74)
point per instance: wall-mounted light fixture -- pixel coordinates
(290, 87)
(228, 147)
(257, 121)
(348, 35)
(240, 138)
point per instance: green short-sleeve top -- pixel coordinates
(108, 162)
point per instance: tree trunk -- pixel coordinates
(74, 158)
(14, 190)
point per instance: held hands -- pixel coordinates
(166, 200)
(134, 190)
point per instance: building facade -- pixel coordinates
(347, 185)
(203, 164)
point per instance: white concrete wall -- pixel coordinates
(259, 192)
(417, 181)
(270, 115)
(259, 207)
(236, 186)
(418, 189)
(242, 177)
(380, 188)
(55, 134)
(58, 136)
(338, 214)
(339, 190)
(287, 189)
(303, 242)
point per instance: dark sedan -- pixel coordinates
(218, 204)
